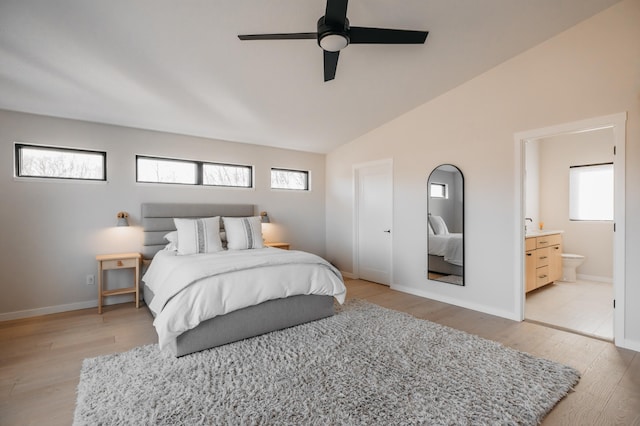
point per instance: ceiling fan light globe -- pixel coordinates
(334, 42)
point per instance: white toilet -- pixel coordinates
(570, 262)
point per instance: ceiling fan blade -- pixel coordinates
(289, 36)
(330, 65)
(336, 13)
(362, 35)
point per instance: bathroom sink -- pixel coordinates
(541, 233)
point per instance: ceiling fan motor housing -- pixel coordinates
(334, 34)
(332, 37)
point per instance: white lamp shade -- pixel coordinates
(122, 219)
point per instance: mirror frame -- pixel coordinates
(463, 266)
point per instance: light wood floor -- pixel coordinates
(40, 358)
(582, 306)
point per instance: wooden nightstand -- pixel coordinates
(283, 246)
(118, 261)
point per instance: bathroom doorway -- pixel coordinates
(579, 296)
(586, 305)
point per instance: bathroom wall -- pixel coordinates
(532, 184)
(593, 239)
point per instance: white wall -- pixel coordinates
(52, 230)
(532, 184)
(591, 239)
(591, 70)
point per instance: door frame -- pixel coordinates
(356, 214)
(617, 122)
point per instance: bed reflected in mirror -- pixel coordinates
(445, 225)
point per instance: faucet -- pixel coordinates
(525, 223)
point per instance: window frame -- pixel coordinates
(199, 178)
(282, 169)
(17, 153)
(571, 219)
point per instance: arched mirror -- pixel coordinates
(445, 225)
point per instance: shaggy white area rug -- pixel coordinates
(365, 365)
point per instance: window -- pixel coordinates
(438, 190)
(37, 161)
(289, 179)
(156, 170)
(591, 192)
(227, 175)
(189, 172)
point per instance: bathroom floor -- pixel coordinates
(585, 307)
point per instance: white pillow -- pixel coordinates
(172, 237)
(198, 235)
(243, 232)
(430, 228)
(439, 227)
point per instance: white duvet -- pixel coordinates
(447, 245)
(191, 289)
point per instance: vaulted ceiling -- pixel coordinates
(178, 66)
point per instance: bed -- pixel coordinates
(196, 299)
(445, 249)
(446, 254)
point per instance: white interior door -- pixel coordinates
(374, 206)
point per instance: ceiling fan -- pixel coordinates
(334, 34)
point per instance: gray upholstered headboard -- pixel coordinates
(157, 219)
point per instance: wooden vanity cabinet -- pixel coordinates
(543, 260)
(555, 262)
(530, 264)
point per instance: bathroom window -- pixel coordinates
(591, 192)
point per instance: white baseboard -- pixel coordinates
(28, 313)
(629, 344)
(595, 278)
(626, 344)
(452, 301)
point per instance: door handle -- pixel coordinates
(388, 231)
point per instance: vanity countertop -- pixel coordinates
(542, 233)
